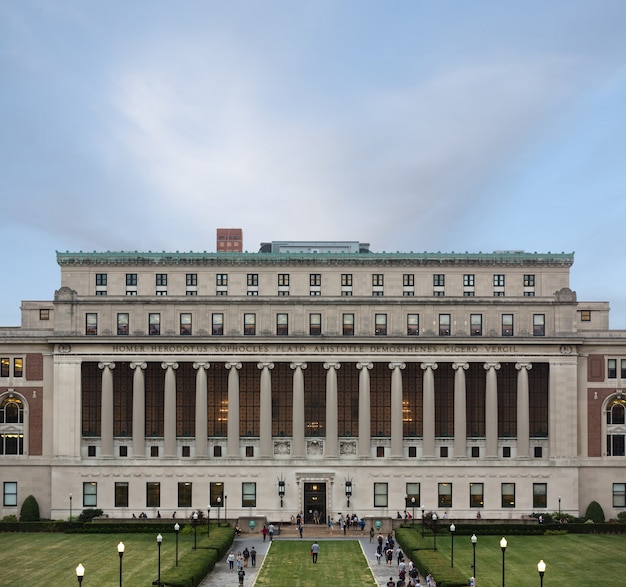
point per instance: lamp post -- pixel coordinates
(434, 531)
(541, 567)
(422, 522)
(474, 539)
(80, 573)
(452, 530)
(559, 509)
(70, 510)
(195, 530)
(176, 530)
(503, 544)
(219, 505)
(226, 509)
(348, 491)
(158, 580)
(208, 520)
(413, 514)
(281, 491)
(120, 551)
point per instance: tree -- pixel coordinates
(595, 513)
(30, 510)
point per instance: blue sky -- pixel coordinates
(412, 125)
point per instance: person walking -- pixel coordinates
(315, 549)
(231, 560)
(264, 532)
(270, 531)
(241, 574)
(253, 556)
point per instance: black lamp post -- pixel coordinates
(348, 491)
(80, 573)
(474, 539)
(559, 509)
(434, 531)
(70, 510)
(281, 491)
(226, 509)
(503, 544)
(452, 530)
(208, 520)
(541, 567)
(195, 530)
(413, 515)
(158, 580)
(219, 505)
(120, 551)
(422, 522)
(176, 530)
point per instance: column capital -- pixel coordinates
(136, 365)
(464, 366)
(165, 365)
(489, 366)
(297, 365)
(265, 366)
(396, 365)
(232, 365)
(368, 366)
(426, 366)
(520, 366)
(332, 366)
(106, 365)
(204, 366)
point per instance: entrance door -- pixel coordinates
(314, 503)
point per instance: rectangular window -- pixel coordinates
(121, 494)
(153, 494)
(191, 279)
(216, 494)
(10, 494)
(585, 315)
(282, 324)
(315, 279)
(249, 324)
(283, 279)
(507, 324)
(477, 495)
(346, 279)
(413, 324)
(444, 324)
(123, 326)
(248, 494)
(408, 279)
(378, 279)
(253, 279)
(476, 324)
(91, 324)
(185, 324)
(623, 368)
(5, 367)
(381, 495)
(221, 279)
(154, 324)
(413, 495)
(315, 324)
(380, 321)
(468, 280)
(44, 314)
(348, 324)
(498, 280)
(444, 495)
(184, 494)
(217, 324)
(161, 279)
(18, 367)
(439, 280)
(131, 279)
(539, 324)
(90, 494)
(611, 368)
(101, 279)
(529, 281)
(540, 495)
(619, 495)
(508, 495)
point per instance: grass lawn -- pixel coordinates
(340, 562)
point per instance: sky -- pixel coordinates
(415, 125)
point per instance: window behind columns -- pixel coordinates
(444, 400)
(315, 400)
(91, 398)
(122, 400)
(348, 400)
(185, 400)
(507, 400)
(538, 399)
(282, 399)
(412, 400)
(249, 400)
(155, 384)
(217, 382)
(380, 398)
(475, 382)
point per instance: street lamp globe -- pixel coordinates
(80, 573)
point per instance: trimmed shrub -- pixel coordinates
(89, 514)
(30, 510)
(595, 513)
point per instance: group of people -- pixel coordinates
(408, 574)
(240, 560)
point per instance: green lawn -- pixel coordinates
(340, 563)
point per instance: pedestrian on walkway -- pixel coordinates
(270, 531)
(300, 528)
(253, 556)
(315, 549)
(231, 560)
(264, 532)
(371, 534)
(241, 574)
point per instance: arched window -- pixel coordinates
(616, 427)
(615, 412)
(11, 426)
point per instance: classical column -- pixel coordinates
(202, 409)
(297, 435)
(523, 414)
(169, 409)
(233, 409)
(365, 442)
(397, 427)
(428, 410)
(139, 409)
(106, 410)
(265, 439)
(331, 448)
(460, 410)
(491, 410)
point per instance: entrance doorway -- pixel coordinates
(314, 503)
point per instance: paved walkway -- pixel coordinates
(221, 576)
